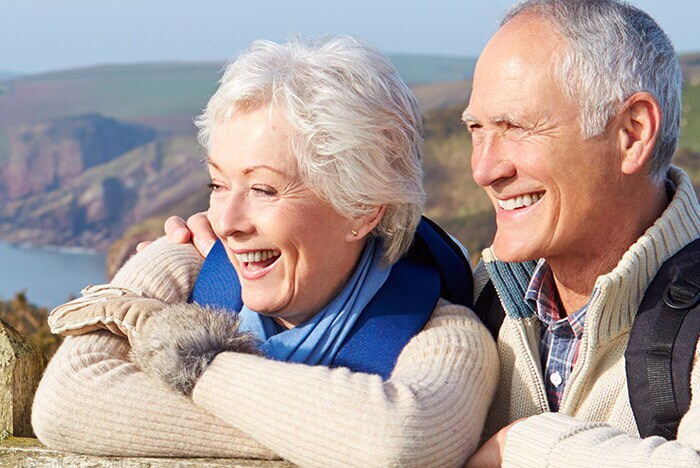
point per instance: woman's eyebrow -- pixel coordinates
(257, 167)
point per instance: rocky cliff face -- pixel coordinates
(81, 181)
(43, 157)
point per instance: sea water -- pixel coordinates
(48, 276)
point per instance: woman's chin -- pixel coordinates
(261, 301)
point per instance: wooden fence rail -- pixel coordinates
(21, 366)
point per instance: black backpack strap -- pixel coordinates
(489, 309)
(661, 348)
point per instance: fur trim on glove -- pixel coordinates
(178, 343)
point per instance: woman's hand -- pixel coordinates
(120, 310)
(178, 343)
(196, 230)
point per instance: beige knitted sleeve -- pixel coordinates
(429, 413)
(553, 439)
(93, 400)
(163, 270)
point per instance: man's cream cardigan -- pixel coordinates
(595, 425)
(92, 399)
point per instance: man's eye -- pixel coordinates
(514, 128)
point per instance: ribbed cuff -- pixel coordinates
(163, 270)
(531, 442)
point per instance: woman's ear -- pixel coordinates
(362, 226)
(640, 119)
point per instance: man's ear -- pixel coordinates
(362, 226)
(640, 119)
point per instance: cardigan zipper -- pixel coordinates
(533, 366)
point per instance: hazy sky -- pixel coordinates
(40, 35)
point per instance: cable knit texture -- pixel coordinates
(595, 425)
(430, 412)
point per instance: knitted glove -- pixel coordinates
(120, 310)
(178, 343)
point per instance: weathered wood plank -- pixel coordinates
(26, 452)
(21, 365)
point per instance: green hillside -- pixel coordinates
(690, 122)
(164, 95)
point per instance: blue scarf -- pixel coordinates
(318, 340)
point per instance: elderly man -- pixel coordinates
(574, 117)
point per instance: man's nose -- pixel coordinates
(490, 160)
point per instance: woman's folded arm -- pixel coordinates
(93, 400)
(429, 412)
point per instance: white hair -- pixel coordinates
(614, 51)
(356, 125)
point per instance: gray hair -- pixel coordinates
(615, 50)
(356, 125)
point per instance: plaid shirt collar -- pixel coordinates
(543, 295)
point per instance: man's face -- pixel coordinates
(553, 191)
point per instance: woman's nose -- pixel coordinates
(230, 216)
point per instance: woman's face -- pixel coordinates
(293, 252)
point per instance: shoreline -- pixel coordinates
(70, 250)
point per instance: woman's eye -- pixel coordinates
(216, 187)
(264, 190)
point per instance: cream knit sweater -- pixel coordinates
(93, 400)
(595, 425)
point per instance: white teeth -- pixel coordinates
(257, 256)
(520, 201)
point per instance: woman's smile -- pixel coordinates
(255, 264)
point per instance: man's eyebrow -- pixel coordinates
(506, 118)
(467, 117)
(499, 119)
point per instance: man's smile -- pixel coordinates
(520, 201)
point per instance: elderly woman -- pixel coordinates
(360, 356)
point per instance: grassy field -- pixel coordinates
(169, 95)
(160, 94)
(690, 122)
